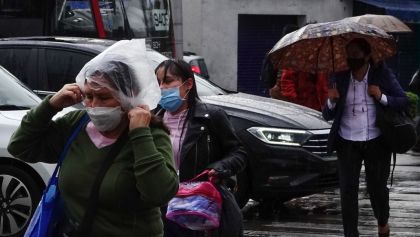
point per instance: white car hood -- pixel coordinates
(15, 115)
(9, 122)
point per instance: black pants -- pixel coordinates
(377, 160)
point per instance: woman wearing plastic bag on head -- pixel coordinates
(119, 89)
(202, 139)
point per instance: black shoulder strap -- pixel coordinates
(85, 226)
(394, 160)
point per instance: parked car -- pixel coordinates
(21, 183)
(46, 63)
(198, 64)
(286, 142)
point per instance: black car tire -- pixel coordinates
(243, 189)
(18, 201)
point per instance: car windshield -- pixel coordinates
(206, 88)
(14, 95)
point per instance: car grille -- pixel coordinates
(325, 181)
(317, 143)
(328, 181)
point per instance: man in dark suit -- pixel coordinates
(354, 104)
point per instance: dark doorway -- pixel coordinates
(257, 34)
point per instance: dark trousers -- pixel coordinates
(377, 160)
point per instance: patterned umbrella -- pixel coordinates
(387, 23)
(321, 47)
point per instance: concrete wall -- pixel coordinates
(211, 27)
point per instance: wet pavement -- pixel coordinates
(320, 215)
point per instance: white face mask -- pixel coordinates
(105, 118)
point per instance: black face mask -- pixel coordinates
(355, 63)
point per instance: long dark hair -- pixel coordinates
(182, 70)
(157, 122)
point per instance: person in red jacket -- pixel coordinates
(307, 89)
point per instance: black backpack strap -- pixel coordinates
(86, 224)
(394, 160)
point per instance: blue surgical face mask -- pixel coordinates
(171, 100)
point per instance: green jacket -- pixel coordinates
(141, 178)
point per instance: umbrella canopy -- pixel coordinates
(387, 23)
(321, 47)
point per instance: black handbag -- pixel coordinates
(231, 223)
(398, 129)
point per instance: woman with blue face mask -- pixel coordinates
(201, 134)
(141, 177)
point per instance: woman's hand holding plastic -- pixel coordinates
(139, 117)
(69, 95)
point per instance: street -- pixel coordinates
(319, 214)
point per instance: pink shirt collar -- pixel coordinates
(97, 138)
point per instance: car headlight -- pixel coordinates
(280, 136)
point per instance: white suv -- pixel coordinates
(21, 183)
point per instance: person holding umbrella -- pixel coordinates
(361, 86)
(352, 104)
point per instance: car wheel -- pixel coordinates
(19, 196)
(243, 189)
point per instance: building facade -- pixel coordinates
(234, 35)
